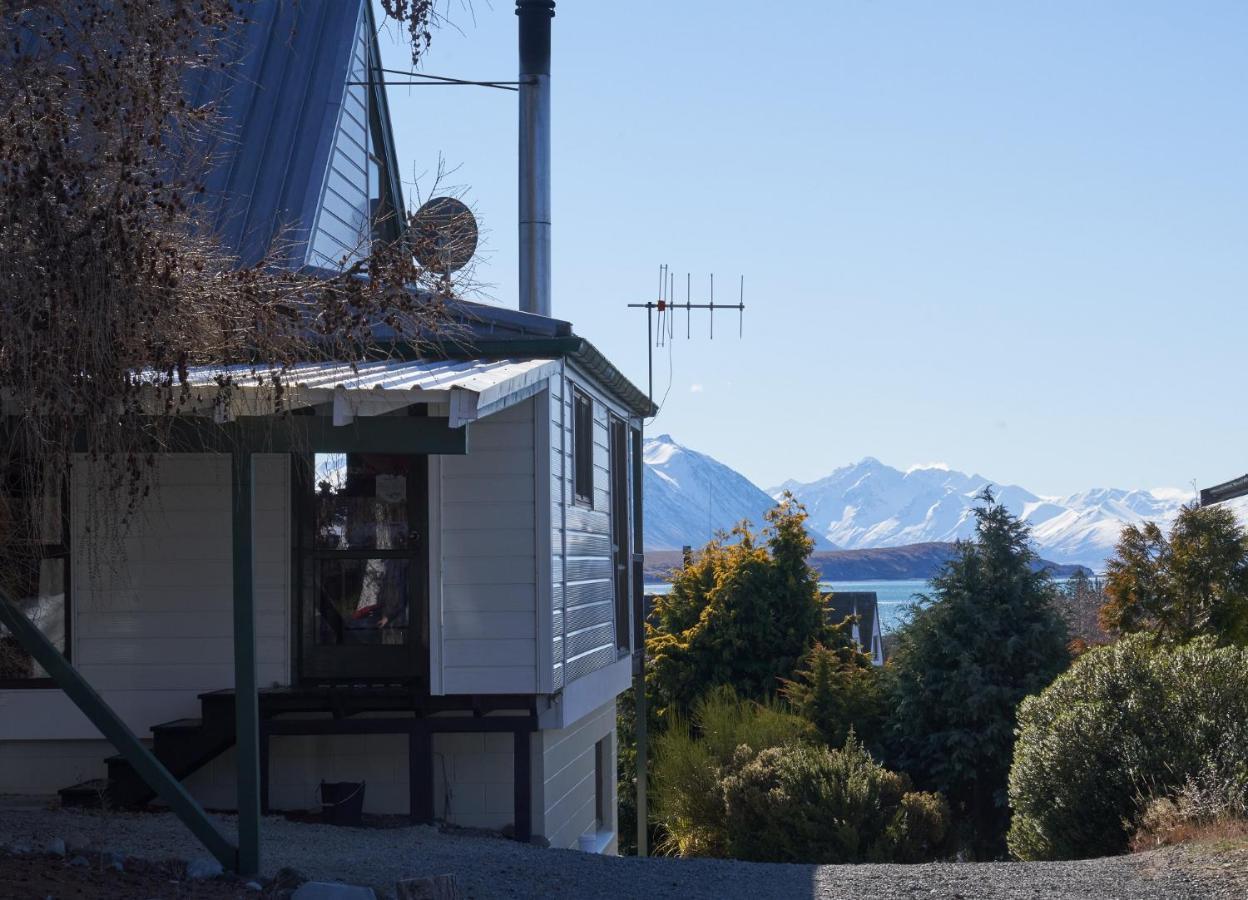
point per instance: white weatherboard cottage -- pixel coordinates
(440, 596)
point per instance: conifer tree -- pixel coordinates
(840, 691)
(987, 637)
(1192, 582)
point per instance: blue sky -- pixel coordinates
(1009, 237)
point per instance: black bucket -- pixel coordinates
(342, 802)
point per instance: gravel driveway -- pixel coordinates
(494, 867)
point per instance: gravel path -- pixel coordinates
(489, 867)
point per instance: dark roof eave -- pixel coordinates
(613, 379)
(1227, 490)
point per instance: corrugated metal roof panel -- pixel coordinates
(474, 388)
(279, 108)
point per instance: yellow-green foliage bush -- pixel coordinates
(1125, 725)
(749, 780)
(803, 803)
(692, 756)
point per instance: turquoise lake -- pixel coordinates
(893, 596)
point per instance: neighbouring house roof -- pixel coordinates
(1227, 490)
(470, 388)
(863, 604)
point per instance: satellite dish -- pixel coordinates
(444, 235)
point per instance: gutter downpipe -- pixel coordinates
(534, 181)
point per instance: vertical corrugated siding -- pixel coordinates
(488, 583)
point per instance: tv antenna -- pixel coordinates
(666, 307)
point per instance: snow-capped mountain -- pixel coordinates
(689, 496)
(869, 504)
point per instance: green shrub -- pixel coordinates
(839, 691)
(802, 803)
(692, 756)
(1126, 724)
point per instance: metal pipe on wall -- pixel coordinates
(535, 274)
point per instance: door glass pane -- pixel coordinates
(38, 589)
(361, 501)
(362, 601)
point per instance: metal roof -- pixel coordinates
(864, 604)
(278, 104)
(472, 388)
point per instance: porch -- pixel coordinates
(185, 746)
(341, 629)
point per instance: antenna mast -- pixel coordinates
(665, 306)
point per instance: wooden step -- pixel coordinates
(93, 794)
(178, 725)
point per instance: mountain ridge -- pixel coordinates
(869, 505)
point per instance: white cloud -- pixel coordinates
(695, 389)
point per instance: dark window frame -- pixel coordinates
(582, 448)
(42, 551)
(310, 661)
(601, 773)
(621, 532)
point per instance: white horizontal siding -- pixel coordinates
(153, 614)
(486, 566)
(568, 785)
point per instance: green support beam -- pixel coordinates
(295, 434)
(149, 768)
(246, 698)
(301, 434)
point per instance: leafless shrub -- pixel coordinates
(112, 281)
(1079, 602)
(1210, 805)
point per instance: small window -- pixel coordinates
(35, 576)
(601, 785)
(583, 448)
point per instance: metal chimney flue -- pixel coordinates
(535, 16)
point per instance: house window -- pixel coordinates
(602, 759)
(35, 575)
(617, 431)
(583, 448)
(361, 541)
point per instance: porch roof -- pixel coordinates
(470, 388)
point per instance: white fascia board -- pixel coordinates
(588, 693)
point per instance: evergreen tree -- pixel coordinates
(987, 637)
(840, 691)
(740, 614)
(1193, 582)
